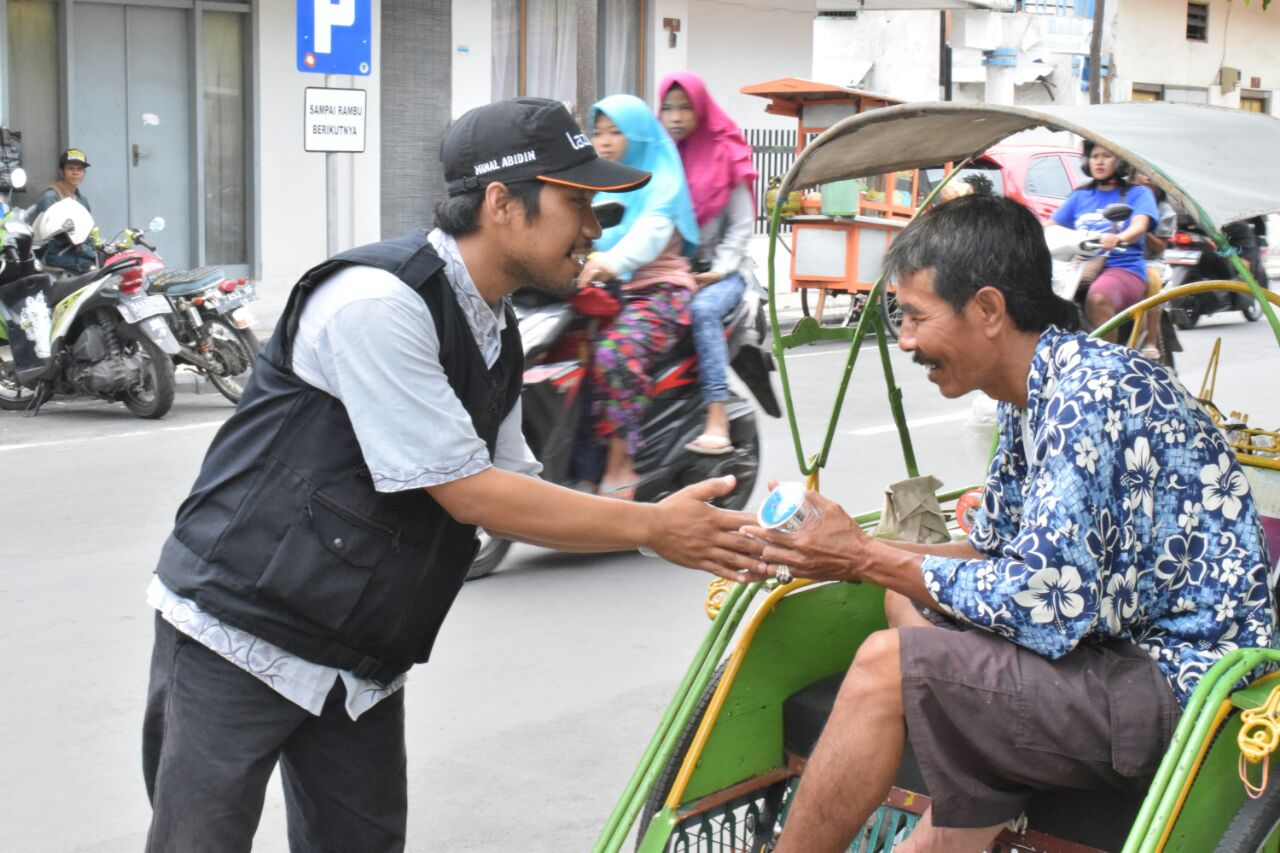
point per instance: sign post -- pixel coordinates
(335, 39)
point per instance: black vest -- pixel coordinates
(284, 535)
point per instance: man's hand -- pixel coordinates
(1109, 241)
(833, 549)
(709, 277)
(686, 530)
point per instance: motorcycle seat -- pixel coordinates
(182, 282)
(1110, 814)
(64, 287)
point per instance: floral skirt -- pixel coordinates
(648, 325)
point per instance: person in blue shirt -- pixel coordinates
(1116, 556)
(1123, 280)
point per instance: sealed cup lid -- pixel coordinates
(781, 504)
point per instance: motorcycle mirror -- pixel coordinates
(18, 178)
(1117, 212)
(156, 224)
(609, 213)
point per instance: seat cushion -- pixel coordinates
(180, 282)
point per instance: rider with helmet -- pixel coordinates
(1123, 279)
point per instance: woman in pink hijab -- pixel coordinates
(717, 164)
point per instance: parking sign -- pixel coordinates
(334, 36)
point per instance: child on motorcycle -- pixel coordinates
(648, 250)
(717, 163)
(1123, 280)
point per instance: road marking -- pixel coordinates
(918, 422)
(832, 351)
(7, 447)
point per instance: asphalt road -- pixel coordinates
(547, 679)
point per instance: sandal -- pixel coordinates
(710, 445)
(1152, 353)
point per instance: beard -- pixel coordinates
(521, 269)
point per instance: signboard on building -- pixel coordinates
(335, 36)
(333, 120)
(1064, 33)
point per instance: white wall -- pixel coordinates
(735, 44)
(472, 47)
(901, 48)
(293, 216)
(1150, 46)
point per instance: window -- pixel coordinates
(1046, 177)
(535, 48)
(34, 90)
(1254, 102)
(984, 170)
(1197, 21)
(1186, 95)
(225, 213)
(1145, 92)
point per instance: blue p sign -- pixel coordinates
(334, 36)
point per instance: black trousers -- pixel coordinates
(213, 733)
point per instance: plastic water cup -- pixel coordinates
(787, 509)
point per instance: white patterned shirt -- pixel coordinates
(366, 338)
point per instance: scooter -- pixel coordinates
(1193, 257)
(1072, 249)
(97, 334)
(556, 407)
(209, 317)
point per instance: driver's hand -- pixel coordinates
(709, 277)
(594, 269)
(830, 550)
(1109, 241)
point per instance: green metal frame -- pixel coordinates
(1191, 799)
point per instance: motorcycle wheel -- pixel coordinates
(890, 313)
(13, 397)
(489, 556)
(1252, 310)
(155, 397)
(231, 348)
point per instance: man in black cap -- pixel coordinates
(72, 166)
(334, 518)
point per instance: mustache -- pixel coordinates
(921, 359)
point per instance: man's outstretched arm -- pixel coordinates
(683, 528)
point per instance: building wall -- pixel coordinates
(292, 192)
(472, 54)
(415, 68)
(732, 45)
(894, 53)
(1151, 47)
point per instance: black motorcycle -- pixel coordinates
(556, 409)
(1192, 256)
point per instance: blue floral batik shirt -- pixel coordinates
(1113, 509)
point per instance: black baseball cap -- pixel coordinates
(526, 139)
(72, 155)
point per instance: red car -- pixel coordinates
(1039, 176)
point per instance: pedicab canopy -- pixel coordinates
(1221, 164)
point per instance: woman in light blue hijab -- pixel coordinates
(649, 252)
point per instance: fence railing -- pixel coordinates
(772, 151)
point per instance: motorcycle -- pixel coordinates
(1193, 257)
(555, 403)
(97, 334)
(208, 318)
(1072, 249)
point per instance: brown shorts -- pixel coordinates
(991, 722)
